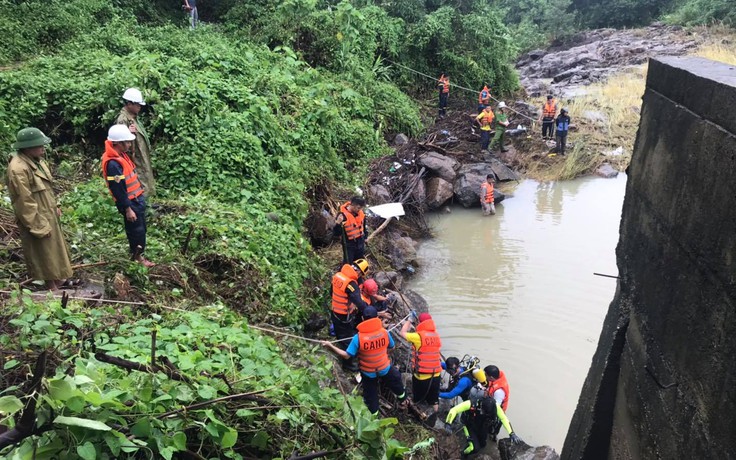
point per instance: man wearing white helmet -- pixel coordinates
(126, 189)
(128, 116)
(502, 122)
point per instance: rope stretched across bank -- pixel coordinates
(286, 334)
(461, 87)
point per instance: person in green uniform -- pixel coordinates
(502, 122)
(128, 116)
(37, 214)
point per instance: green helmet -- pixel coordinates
(30, 137)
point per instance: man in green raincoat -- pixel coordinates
(30, 188)
(502, 122)
(128, 116)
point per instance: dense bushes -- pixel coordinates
(471, 42)
(241, 128)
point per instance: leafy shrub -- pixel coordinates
(90, 409)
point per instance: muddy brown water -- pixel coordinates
(517, 290)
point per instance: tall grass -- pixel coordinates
(718, 51)
(607, 115)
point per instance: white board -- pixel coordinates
(388, 210)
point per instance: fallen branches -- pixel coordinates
(27, 424)
(133, 366)
(250, 396)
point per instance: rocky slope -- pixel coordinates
(594, 55)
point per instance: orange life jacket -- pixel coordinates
(486, 120)
(427, 359)
(132, 185)
(486, 192)
(353, 224)
(484, 99)
(503, 384)
(373, 343)
(340, 280)
(445, 82)
(550, 109)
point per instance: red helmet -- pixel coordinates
(370, 287)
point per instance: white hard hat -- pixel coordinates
(119, 133)
(134, 95)
(502, 105)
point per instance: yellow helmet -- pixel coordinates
(479, 376)
(362, 264)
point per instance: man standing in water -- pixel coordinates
(32, 196)
(487, 200)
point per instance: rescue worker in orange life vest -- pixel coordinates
(487, 198)
(127, 191)
(351, 224)
(426, 360)
(347, 304)
(369, 293)
(484, 98)
(479, 415)
(485, 120)
(443, 85)
(370, 345)
(498, 389)
(549, 112)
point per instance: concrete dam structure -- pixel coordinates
(662, 384)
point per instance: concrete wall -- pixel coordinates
(662, 384)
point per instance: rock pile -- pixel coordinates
(596, 54)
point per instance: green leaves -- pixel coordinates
(9, 405)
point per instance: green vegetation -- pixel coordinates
(628, 13)
(89, 409)
(244, 136)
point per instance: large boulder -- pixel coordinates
(401, 139)
(467, 185)
(379, 194)
(319, 227)
(441, 165)
(403, 252)
(524, 451)
(388, 280)
(438, 192)
(606, 171)
(419, 194)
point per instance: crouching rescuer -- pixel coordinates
(479, 416)
(347, 303)
(370, 345)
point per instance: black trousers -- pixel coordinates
(485, 139)
(548, 127)
(443, 103)
(561, 142)
(370, 388)
(136, 231)
(345, 328)
(427, 390)
(353, 250)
